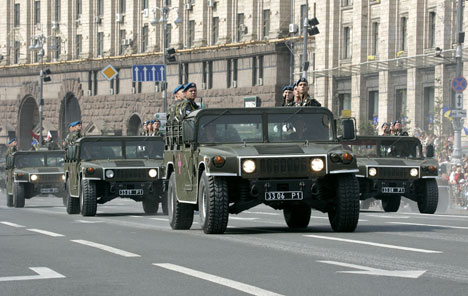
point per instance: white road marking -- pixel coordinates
(412, 274)
(89, 221)
(435, 215)
(374, 244)
(217, 280)
(242, 218)
(387, 216)
(42, 274)
(45, 232)
(326, 218)
(11, 224)
(106, 248)
(430, 225)
(160, 219)
(262, 213)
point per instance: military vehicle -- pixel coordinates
(391, 167)
(225, 161)
(99, 169)
(32, 173)
(3, 152)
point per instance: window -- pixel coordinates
(100, 44)
(266, 23)
(180, 73)
(215, 31)
(375, 38)
(191, 33)
(144, 38)
(79, 7)
(373, 105)
(228, 74)
(79, 46)
(347, 42)
(428, 114)
(57, 46)
(431, 30)
(344, 103)
(100, 7)
(17, 52)
(254, 71)
(347, 2)
(95, 80)
(186, 73)
(260, 68)
(403, 33)
(117, 83)
(144, 4)
(241, 28)
(37, 12)
(168, 36)
(122, 6)
(90, 82)
(17, 15)
(36, 57)
(210, 74)
(58, 10)
(234, 69)
(122, 36)
(400, 104)
(204, 72)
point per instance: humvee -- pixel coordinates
(225, 161)
(99, 169)
(32, 173)
(391, 167)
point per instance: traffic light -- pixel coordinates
(171, 55)
(45, 75)
(313, 30)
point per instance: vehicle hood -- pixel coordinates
(124, 163)
(41, 170)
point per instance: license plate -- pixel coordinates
(393, 189)
(283, 195)
(131, 192)
(49, 190)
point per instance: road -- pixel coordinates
(121, 251)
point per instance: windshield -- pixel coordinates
(385, 148)
(230, 128)
(134, 149)
(299, 127)
(39, 160)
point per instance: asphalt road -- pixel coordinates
(121, 251)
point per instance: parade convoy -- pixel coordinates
(224, 161)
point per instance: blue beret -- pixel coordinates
(72, 124)
(302, 79)
(11, 141)
(147, 122)
(288, 87)
(189, 86)
(179, 87)
(152, 121)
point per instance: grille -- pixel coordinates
(52, 178)
(393, 173)
(283, 167)
(131, 174)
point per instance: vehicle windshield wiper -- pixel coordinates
(210, 121)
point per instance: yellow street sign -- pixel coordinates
(109, 72)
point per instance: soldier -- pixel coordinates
(386, 129)
(75, 133)
(188, 105)
(12, 146)
(150, 128)
(288, 99)
(156, 126)
(303, 93)
(178, 97)
(399, 129)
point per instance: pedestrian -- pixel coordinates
(188, 104)
(288, 98)
(303, 93)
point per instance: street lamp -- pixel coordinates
(163, 20)
(43, 76)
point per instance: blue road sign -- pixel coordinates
(459, 84)
(142, 73)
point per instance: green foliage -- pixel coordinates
(367, 128)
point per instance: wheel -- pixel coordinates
(213, 204)
(150, 206)
(297, 216)
(164, 205)
(180, 214)
(428, 196)
(9, 200)
(365, 204)
(391, 204)
(88, 199)
(344, 214)
(72, 204)
(18, 195)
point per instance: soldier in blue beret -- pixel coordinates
(303, 98)
(178, 97)
(188, 104)
(398, 129)
(288, 98)
(12, 146)
(75, 133)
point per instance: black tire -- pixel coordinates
(72, 204)
(391, 204)
(18, 195)
(213, 204)
(297, 216)
(150, 206)
(344, 214)
(428, 196)
(180, 214)
(164, 203)
(88, 199)
(9, 200)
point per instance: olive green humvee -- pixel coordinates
(225, 161)
(101, 168)
(32, 173)
(391, 167)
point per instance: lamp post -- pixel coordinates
(164, 20)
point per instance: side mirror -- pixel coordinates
(430, 151)
(347, 126)
(188, 131)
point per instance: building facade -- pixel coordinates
(374, 59)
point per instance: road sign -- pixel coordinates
(109, 72)
(459, 84)
(456, 113)
(459, 101)
(141, 73)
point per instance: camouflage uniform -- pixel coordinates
(72, 137)
(185, 107)
(11, 150)
(310, 102)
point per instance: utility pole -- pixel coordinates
(305, 62)
(41, 101)
(165, 11)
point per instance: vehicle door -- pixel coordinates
(9, 170)
(73, 169)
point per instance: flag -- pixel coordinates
(49, 136)
(447, 113)
(34, 135)
(466, 131)
(35, 144)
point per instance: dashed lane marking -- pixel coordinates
(429, 225)
(160, 219)
(387, 216)
(242, 218)
(106, 248)
(89, 221)
(262, 213)
(217, 280)
(326, 218)
(45, 232)
(11, 224)
(374, 244)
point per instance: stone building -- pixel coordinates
(374, 58)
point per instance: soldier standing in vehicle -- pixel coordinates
(386, 129)
(156, 127)
(399, 129)
(75, 134)
(12, 147)
(178, 94)
(145, 128)
(303, 93)
(188, 105)
(288, 96)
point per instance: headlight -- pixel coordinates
(153, 173)
(248, 166)
(372, 172)
(414, 172)
(90, 170)
(63, 177)
(317, 164)
(109, 174)
(33, 177)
